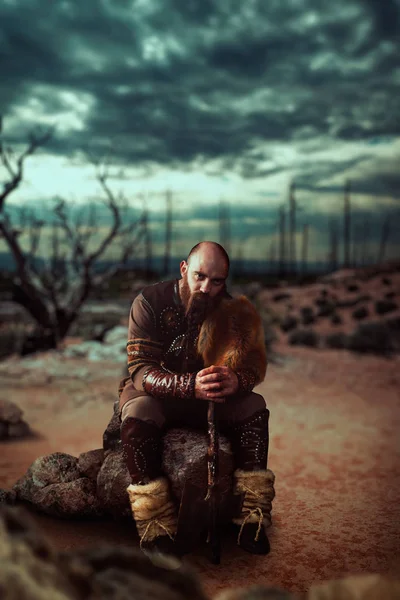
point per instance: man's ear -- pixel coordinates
(183, 267)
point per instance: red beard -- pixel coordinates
(197, 304)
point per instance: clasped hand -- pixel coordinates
(215, 383)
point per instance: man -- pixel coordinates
(169, 385)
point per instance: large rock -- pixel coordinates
(185, 461)
(12, 424)
(9, 412)
(53, 485)
(95, 483)
(74, 499)
(111, 436)
(89, 463)
(112, 481)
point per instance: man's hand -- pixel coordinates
(215, 383)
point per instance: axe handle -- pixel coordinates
(213, 480)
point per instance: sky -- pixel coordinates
(222, 101)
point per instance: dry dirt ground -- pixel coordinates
(334, 448)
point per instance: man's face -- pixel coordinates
(203, 278)
(206, 272)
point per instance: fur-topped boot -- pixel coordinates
(155, 515)
(255, 516)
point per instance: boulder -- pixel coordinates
(9, 412)
(112, 482)
(111, 436)
(185, 462)
(7, 497)
(18, 430)
(11, 423)
(46, 470)
(74, 499)
(54, 486)
(95, 483)
(89, 463)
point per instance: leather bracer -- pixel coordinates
(160, 383)
(247, 381)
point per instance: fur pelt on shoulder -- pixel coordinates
(233, 336)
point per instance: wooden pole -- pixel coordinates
(213, 483)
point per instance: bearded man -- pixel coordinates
(169, 385)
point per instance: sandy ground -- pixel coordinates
(335, 419)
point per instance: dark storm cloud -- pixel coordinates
(230, 75)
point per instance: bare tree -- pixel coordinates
(346, 225)
(168, 230)
(224, 226)
(333, 254)
(282, 240)
(54, 288)
(304, 253)
(292, 228)
(384, 238)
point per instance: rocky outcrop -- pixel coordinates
(94, 484)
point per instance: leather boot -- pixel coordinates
(152, 507)
(252, 479)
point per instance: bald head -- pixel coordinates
(210, 250)
(204, 271)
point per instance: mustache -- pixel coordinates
(198, 305)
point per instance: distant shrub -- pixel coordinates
(384, 306)
(303, 337)
(288, 322)
(336, 340)
(281, 296)
(307, 315)
(371, 337)
(348, 303)
(352, 287)
(320, 301)
(360, 313)
(326, 309)
(336, 319)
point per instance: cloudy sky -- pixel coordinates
(217, 101)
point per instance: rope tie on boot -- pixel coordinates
(247, 489)
(258, 490)
(155, 522)
(260, 522)
(153, 509)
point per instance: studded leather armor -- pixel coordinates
(141, 448)
(160, 361)
(250, 441)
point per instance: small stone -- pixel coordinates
(3, 430)
(19, 430)
(9, 412)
